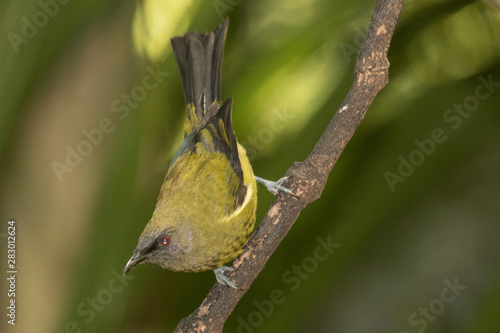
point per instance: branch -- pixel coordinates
(307, 178)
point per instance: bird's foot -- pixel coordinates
(274, 187)
(222, 279)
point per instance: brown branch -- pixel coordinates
(307, 178)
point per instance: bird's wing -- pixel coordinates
(217, 136)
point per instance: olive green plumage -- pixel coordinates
(206, 208)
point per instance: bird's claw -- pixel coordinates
(274, 187)
(222, 279)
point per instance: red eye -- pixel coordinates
(165, 240)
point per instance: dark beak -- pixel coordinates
(136, 259)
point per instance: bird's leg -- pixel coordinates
(222, 279)
(274, 187)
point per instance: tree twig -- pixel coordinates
(307, 178)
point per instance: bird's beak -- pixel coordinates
(136, 259)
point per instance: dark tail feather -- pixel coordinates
(199, 56)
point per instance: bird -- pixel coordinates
(206, 209)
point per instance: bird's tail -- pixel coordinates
(199, 57)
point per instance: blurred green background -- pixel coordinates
(75, 70)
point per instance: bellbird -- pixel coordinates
(206, 208)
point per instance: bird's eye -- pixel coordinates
(165, 240)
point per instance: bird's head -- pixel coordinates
(167, 247)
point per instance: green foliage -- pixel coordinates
(412, 202)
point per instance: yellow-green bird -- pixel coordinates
(206, 208)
